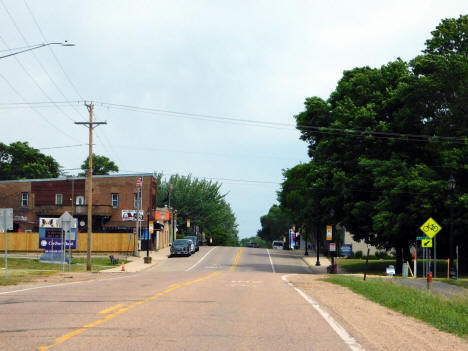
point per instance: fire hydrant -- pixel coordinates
(429, 280)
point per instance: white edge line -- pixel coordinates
(63, 284)
(201, 259)
(272, 266)
(342, 333)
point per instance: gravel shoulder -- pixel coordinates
(374, 326)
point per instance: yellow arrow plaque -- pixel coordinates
(426, 242)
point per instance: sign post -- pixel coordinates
(6, 223)
(430, 228)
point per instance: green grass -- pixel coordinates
(27, 269)
(462, 282)
(449, 315)
(355, 265)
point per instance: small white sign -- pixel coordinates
(332, 247)
(6, 219)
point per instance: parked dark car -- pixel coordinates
(181, 247)
(252, 244)
(194, 240)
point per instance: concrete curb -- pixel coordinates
(137, 264)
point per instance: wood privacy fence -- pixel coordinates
(101, 242)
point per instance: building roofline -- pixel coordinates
(77, 178)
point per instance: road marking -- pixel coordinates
(342, 333)
(110, 309)
(272, 266)
(201, 259)
(88, 326)
(236, 261)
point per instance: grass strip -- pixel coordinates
(449, 315)
(22, 270)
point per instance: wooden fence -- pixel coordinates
(101, 242)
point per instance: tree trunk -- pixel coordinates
(399, 260)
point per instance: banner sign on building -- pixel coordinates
(161, 215)
(131, 215)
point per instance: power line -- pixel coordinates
(275, 125)
(39, 62)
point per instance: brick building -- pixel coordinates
(114, 201)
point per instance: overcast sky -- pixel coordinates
(249, 60)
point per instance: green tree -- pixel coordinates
(275, 225)
(200, 201)
(20, 161)
(381, 185)
(102, 165)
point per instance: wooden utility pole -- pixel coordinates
(90, 126)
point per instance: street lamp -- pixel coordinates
(37, 47)
(318, 248)
(451, 187)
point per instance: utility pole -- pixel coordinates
(90, 126)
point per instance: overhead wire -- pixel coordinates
(40, 65)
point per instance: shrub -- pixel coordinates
(357, 254)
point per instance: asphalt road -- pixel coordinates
(221, 298)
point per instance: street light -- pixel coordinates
(306, 253)
(451, 187)
(37, 47)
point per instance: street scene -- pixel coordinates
(248, 175)
(224, 298)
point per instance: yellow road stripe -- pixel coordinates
(236, 261)
(86, 327)
(106, 311)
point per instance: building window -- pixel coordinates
(80, 200)
(135, 201)
(58, 199)
(24, 199)
(115, 200)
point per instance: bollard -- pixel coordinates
(429, 280)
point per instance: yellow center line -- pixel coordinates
(86, 327)
(110, 309)
(236, 261)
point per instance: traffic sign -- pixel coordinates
(430, 227)
(6, 219)
(422, 237)
(426, 243)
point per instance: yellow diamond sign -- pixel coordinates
(430, 228)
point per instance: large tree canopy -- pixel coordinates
(102, 165)
(20, 161)
(200, 201)
(384, 144)
(274, 225)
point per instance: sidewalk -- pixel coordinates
(311, 260)
(137, 264)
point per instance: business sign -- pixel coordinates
(131, 215)
(151, 227)
(47, 222)
(55, 245)
(20, 218)
(292, 238)
(161, 215)
(329, 232)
